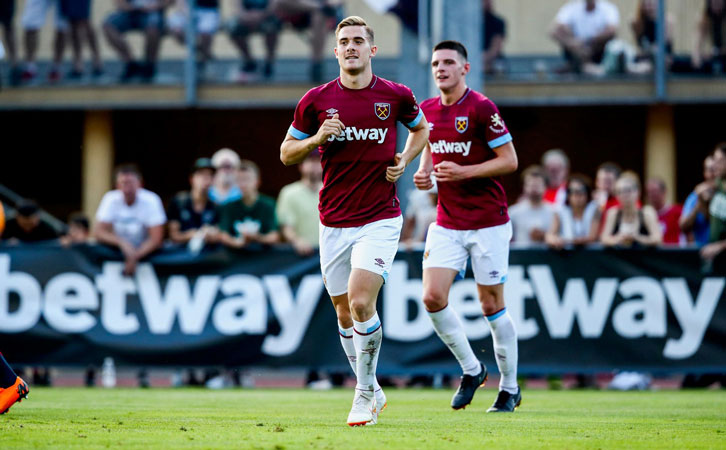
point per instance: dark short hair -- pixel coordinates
(246, 164)
(583, 180)
(27, 208)
(610, 167)
(453, 45)
(127, 168)
(80, 219)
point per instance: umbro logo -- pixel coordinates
(493, 274)
(380, 263)
(331, 111)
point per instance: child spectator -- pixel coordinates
(78, 230)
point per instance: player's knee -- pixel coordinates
(434, 300)
(491, 301)
(360, 307)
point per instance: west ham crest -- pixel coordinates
(462, 124)
(383, 110)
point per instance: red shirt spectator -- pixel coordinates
(668, 215)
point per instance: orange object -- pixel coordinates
(15, 393)
(2, 218)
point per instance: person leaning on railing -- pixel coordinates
(629, 224)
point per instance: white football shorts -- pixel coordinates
(35, 11)
(371, 247)
(488, 248)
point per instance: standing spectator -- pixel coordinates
(192, 213)
(628, 224)
(206, 22)
(7, 12)
(577, 221)
(712, 25)
(717, 207)
(419, 214)
(130, 218)
(251, 219)
(297, 207)
(225, 189)
(644, 26)
(78, 230)
(604, 194)
(557, 168)
(668, 215)
(78, 13)
(142, 15)
(495, 30)
(255, 16)
(27, 226)
(531, 216)
(583, 28)
(694, 219)
(33, 20)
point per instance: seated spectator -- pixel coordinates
(225, 189)
(319, 17)
(7, 13)
(78, 13)
(712, 27)
(297, 207)
(644, 33)
(27, 226)
(255, 16)
(130, 218)
(495, 30)
(694, 219)
(531, 216)
(252, 218)
(33, 21)
(420, 213)
(142, 15)
(577, 221)
(668, 215)
(206, 22)
(78, 230)
(556, 165)
(628, 224)
(192, 214)
(583, 28)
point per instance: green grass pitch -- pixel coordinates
(60, 418)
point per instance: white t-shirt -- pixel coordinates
(588, 24)
(422, 208)
(131, 222)
(526, 217)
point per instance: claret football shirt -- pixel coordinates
(355, 190)
(465, 133)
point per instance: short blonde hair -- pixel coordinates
(355, 21)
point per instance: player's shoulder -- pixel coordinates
(384, 84)
(314, 93)
(430, 102)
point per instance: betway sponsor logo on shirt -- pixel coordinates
(451, 147)
(361, 134)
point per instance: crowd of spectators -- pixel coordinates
(314, 19)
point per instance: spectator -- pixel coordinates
(78, 230)
(583, 28)
(644, 27)
(577, 221)
(712, 25)
(7, 12)
(320, 17)
(192, 214)
(628, 224)
(531, 216)
(142, 15)
(495, 30)
(225, 189)
(297, 207)
(420, 213)
(604, 193)
(206, 22)
(694, 219)
(78, 13)
(668, 215)
(255, 16)
(27, 226)
(717, 208)
(251, 219)
(130, 218)
(33, 20)
(557, 168)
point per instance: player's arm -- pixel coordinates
(505, 162)
(422, 177)
(294, 150)
(418, 137)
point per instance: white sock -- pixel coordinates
(367, 338)
(346, 340)
(449, 328)
(505, 349)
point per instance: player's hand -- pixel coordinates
(331, 127)
(449, 171)
(394, 172)
(422, 179)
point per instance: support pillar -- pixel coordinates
(660, 147)
(97, 159)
